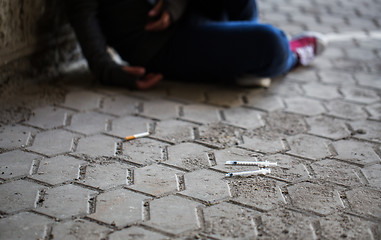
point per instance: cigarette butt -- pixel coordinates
(249, 173)
(248, 163)
(139, 135)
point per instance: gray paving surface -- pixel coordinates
(67, 173)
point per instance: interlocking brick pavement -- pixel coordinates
(66, 172)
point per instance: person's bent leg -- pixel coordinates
(241, 10)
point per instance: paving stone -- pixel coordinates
(188, 156)
(97, 146)
(361, 54)
(285, 224)
(66, 201)
(24, 226)
(337, 172)
(224, 97)
(264, 144)
(201, 113)
(14, 136)
(368, 80)
(82, 100)
(308, 146)
(336, 77)
(356, 152)
(143, 151)
(359, 95)
(16, 164)
(174, 131)
(286, 89)
(79, 229)
(127, 126)
(304, 106)
(285, 124)
(187, 92)
(258, 192)
(346, 110)
(161, 109)
(365, 201)
(49, 117)
(228, 221)
(18, 195)
(243, 118)
(342, 226)
(58, 169)
(375, 111)
(324, 92)
(173, 214)
(321, 199)
(264, 101)
(233, 154)
(303, 75)
(219, 135)
(53, 142)
(106, 175)
(120, 105)
(119, 207)
(367, 130)
(155, 180)
(289, 169)
(328, 127)
(136, 233)
(373, 175)
(206, 185)
(88, 123)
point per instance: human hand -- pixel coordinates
(164, 20)
(145, 81)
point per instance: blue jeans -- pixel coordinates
(221, 40)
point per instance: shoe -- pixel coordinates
(253, 81)
(307, 46)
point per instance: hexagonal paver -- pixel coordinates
(14, 136)
(355, 151)
(160, 109)
(317, 90)
(120, 105)
(65, 201)
(304, 106)
(155, 180)
(143, 151)
(228, 221)
(309, 146)
(368, 80)
(224, 97)
(345, 110)
(58, 169)
(233, 154)
(79, 229)
(135, 233)
(24, 226)
(82, 100)
(328, 127)
(201, 113)
(375, 111)
(321, 199)
(173, 214)
(365, 201)
(360, 95)
(373, 175)
(264, 102)
(264, 144)
(18, 195)
(259, 192)
(16, 163)
(342, 226)
(174, 131)
(303, 75)
(285, 89)
(106, 175)
(119, 207)
(286, 224)
(127, 126)
(243, 118)
(49, 117)
(336, 77)
(187, 91)
(189, 156)
(219, 135)
(286, 123)
(53, 142)
(97, 146)
(337, 172)
(367, 130)
(206, 185)
(88, 123)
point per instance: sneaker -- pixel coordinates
(307, 46)
(253, 81)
